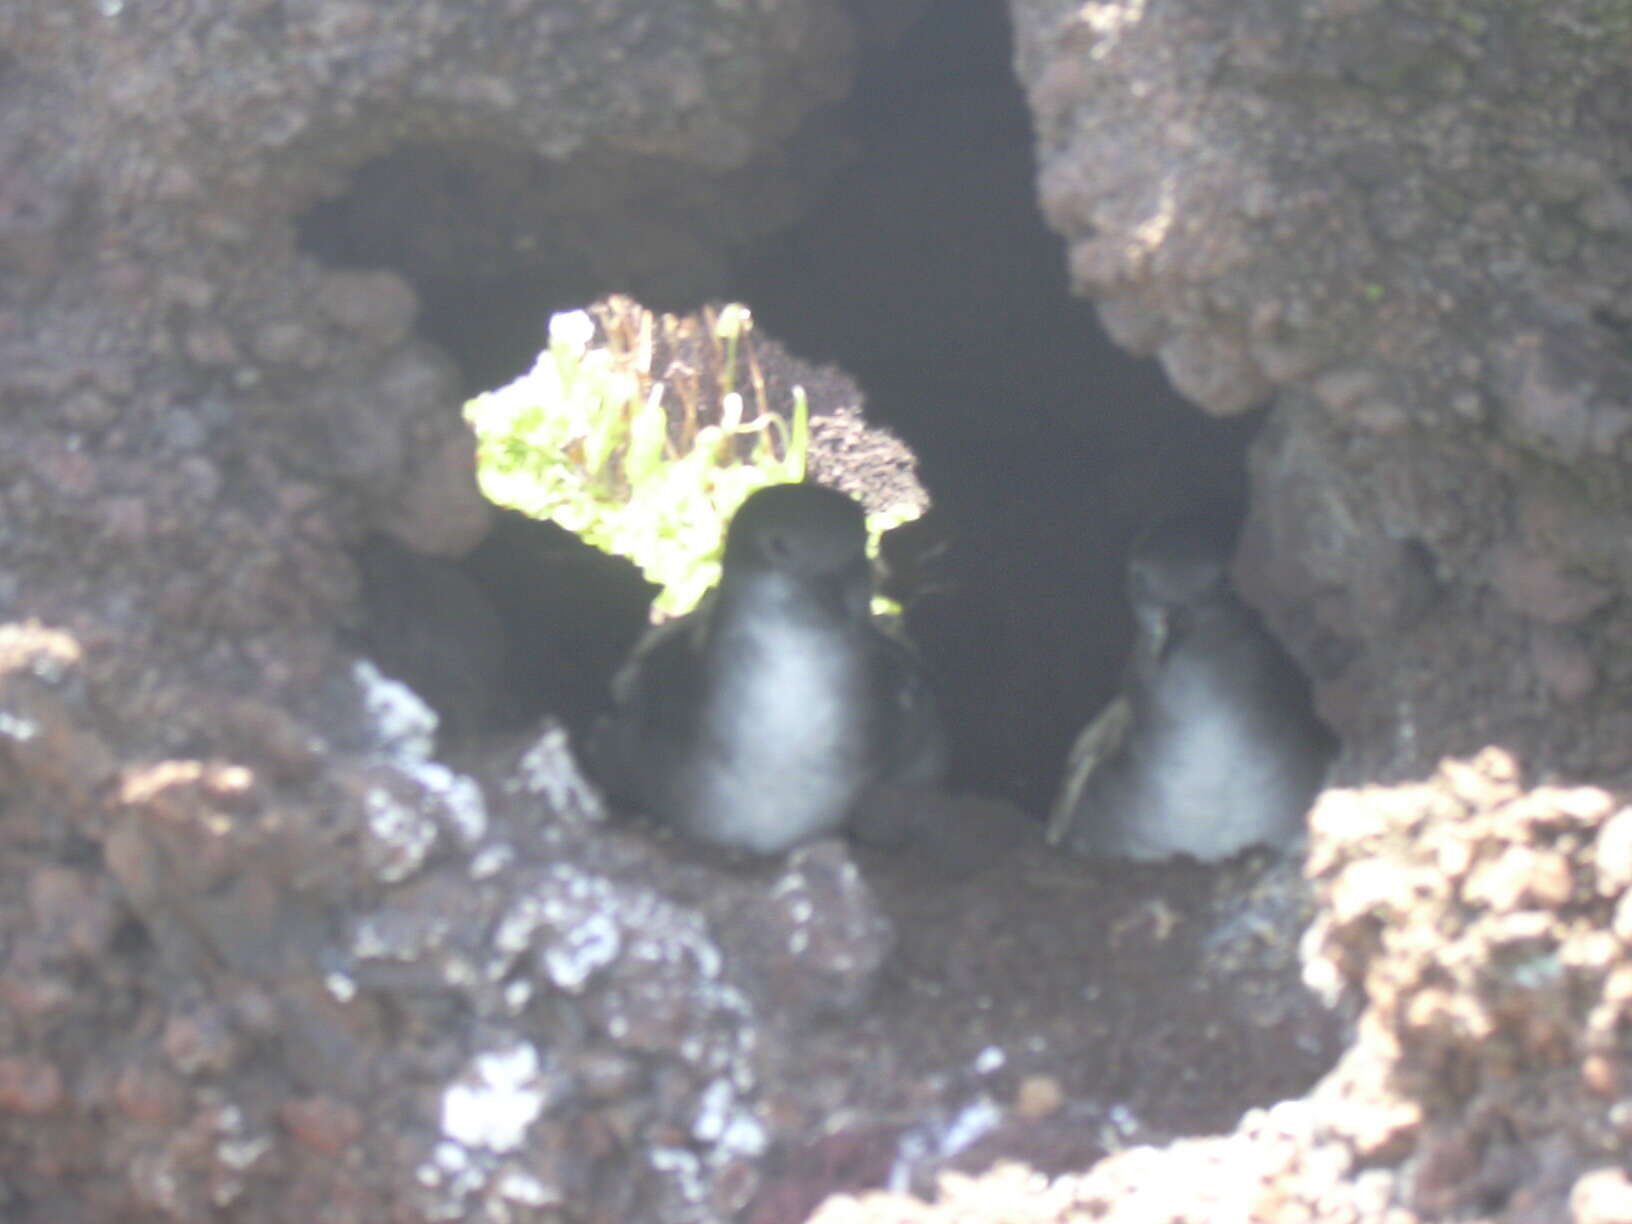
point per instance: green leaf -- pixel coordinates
(799, 442)
(648, 434)
(584, 438)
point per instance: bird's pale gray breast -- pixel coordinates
(758, 720)
(763, 735)
(1219, 751)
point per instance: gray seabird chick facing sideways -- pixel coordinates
(759, 719)
(1213, 745)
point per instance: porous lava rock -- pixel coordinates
(268, 958)
(1407, 223)
(1478, 928)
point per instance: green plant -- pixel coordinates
(648, 466)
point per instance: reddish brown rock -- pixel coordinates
(323, 1124)
(29, 1087)
(215, 380)
(1541, 588)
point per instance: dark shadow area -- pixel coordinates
(531, 621)
(924, 269)
(475, 228)
(928, 273)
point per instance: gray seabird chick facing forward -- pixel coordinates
(1213, 745)
(759, 719)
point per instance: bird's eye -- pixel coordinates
(777, 547)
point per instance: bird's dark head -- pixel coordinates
(1179, 563)
(801, 530)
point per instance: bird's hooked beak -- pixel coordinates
(1157, 623)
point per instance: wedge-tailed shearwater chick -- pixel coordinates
(760, 718)
(1213, 744)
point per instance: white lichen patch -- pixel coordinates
(396, 935)
(579, 951)
(650, 972)
(683, 942)
(403, 724)
(572, 917)
(243, 1154)
(450, 1160)
(973, 1122)
(17, 728)
(490, 860)
(682, 1169)
(519, 1186)
(452, 1171)
(493, 1103)
(744, 1136)
(713, 1111)
(236, 1152)
(938, 1140)
(460, 798)
(410, 809)
(550, 770)
(792, 892)
(990, 1059)
(517, 995)
(723, 1121)
(802, 909)
(404, 834)
(515, 930)
(1121, 1118)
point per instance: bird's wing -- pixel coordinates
(655, 695)
(911, 735)
(1288, 693)
(1100, 741)
(664, 658)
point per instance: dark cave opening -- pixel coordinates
(923, 269)
(929, 274)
